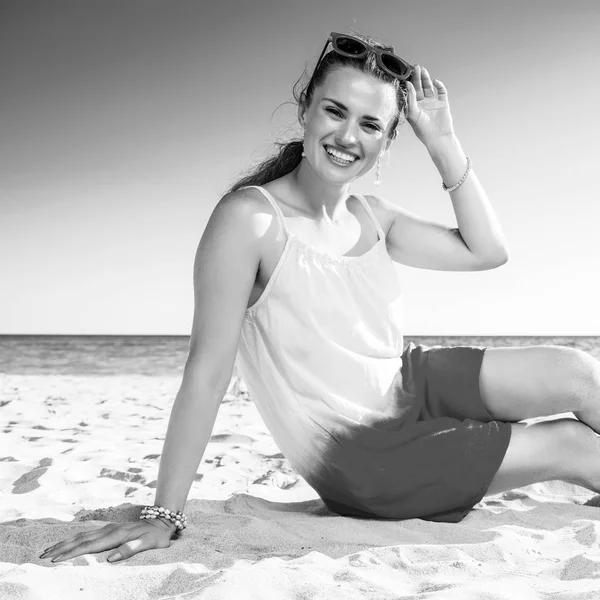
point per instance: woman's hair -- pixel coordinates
(289, 154)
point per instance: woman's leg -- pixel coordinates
(534, 381)
(564, 449)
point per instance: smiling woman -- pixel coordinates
(387, 101)
(365, 116)
(295, 277)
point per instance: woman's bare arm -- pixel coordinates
(225, 270)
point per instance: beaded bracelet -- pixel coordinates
(152, 512)
(451, 189)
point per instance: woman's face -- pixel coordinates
(346, 126)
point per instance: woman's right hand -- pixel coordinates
(127, 538)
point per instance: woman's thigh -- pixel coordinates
(534, 381)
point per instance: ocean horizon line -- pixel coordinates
(162, 355)
(184, 335)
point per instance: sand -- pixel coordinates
(78, 451)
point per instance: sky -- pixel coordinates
(123, 123)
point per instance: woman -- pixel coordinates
(296, 276)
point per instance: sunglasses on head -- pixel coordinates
(352, 47)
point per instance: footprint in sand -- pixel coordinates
(29, 481)
(231, 438)
(216, 462)
(122, 476)
(514, 495)
(277, 479)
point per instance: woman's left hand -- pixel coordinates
(428, 108)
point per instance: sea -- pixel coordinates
(159, 356)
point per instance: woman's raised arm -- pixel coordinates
(225, 269)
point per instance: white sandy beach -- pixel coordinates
(77, 451)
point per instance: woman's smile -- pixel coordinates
(340, 157)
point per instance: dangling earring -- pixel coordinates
(304, 133)
(377, 170)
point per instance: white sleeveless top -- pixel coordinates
(321, 349)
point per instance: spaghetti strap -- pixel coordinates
(276, 208)
(370, 212)
(274, 204)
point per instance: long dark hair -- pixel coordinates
(289, 154)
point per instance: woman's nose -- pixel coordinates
(346, 135)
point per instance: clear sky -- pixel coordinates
(122, 123)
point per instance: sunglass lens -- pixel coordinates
(350, 46)
(395, 65)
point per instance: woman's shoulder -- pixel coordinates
(245, 204)
(247, 210)
(245, 199)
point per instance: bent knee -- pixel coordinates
(586, 380)
(539, 452)
(578, 375)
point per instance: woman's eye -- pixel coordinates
(337, 113)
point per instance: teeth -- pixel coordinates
(339, 154)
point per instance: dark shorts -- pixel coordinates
(437, 461)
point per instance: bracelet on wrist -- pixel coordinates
(463, 179)
(153, 512)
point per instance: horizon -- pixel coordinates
(182, 335)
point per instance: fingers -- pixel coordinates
(130, 548)
(422, 82)
(127, 538)
(427, 84)
(417, 83)
(412, 98)
(54, 551)
(441, 89)
(425, 87)
(109, 536)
